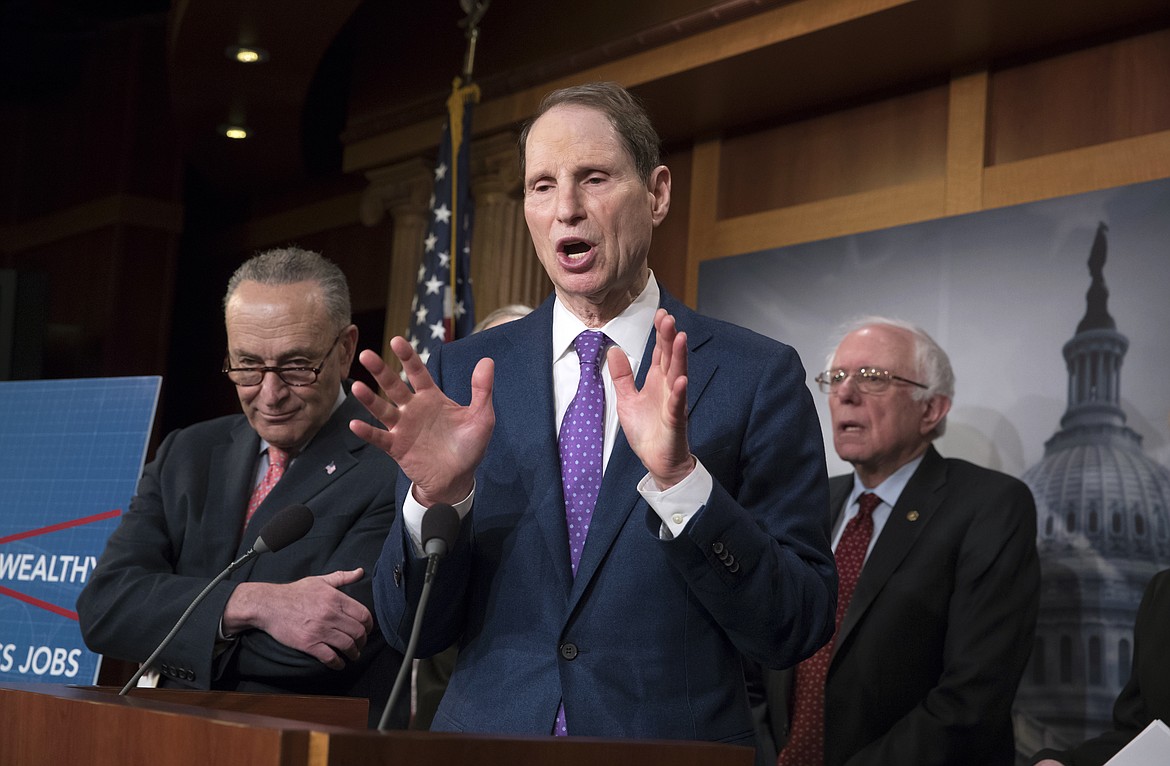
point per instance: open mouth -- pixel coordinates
(575, 248)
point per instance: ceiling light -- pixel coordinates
(246, 54)
(236, 132)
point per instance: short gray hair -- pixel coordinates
(289, 265)
(932, 366)
(624, 111)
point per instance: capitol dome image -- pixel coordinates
(1103, 530)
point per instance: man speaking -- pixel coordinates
(643, 489)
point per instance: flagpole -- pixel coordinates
(475, 12)
(443, 308)
(462, 89)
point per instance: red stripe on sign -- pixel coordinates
(63, 525)
(38, 603)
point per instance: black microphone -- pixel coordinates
(286, 527)
(440, 527)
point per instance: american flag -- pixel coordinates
(442, 308)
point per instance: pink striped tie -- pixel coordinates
(277, 460)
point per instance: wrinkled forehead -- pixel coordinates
(277, 321)
(574, 130)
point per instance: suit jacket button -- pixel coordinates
(569, 651)
(717, 547)
(729, 561)
(733, 568)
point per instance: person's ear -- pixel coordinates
(348, 343)
(659, 188)
(936, 409)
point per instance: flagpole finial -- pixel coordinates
(475, 9)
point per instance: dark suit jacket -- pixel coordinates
(645, 641)
(940, 627)
(1146, 695)
(184, 526)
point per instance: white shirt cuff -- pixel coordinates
(676, 506)
(413, 510)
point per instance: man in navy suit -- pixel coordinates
(708, 540)
(299, 620)
(934, 639)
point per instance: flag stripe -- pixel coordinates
(443, 308)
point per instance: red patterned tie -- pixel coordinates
(806, 738)
(277, 460)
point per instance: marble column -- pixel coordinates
(404, 190)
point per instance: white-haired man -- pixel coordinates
(939, 577)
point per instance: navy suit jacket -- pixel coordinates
(940, 627)
(184, 526)
(645, 642)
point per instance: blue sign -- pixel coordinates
(71, 453)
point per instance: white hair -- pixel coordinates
(932, 366)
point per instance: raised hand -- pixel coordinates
(655, 418)
(311, 615)
(436, 442)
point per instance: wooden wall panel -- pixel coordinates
(1067, 124)
(886, 143)
(1094, 96)
(669, 246)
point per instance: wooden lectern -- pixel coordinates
(51, 724)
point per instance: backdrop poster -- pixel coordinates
(1001, 291)
(71, 453)
(1010, 294)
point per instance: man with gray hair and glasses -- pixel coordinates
(298, 621)
(939, 577)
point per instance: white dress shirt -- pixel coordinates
(888, 491)
(629, 331)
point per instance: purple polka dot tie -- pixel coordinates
(582, 441)
(582, 445)
(806, 736)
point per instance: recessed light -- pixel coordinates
(246, 54)
(236, 132)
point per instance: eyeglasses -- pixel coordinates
(869, 380)
(290, 376)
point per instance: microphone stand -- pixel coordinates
(412, 644)
(251, 554)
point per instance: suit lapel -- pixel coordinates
(232, 469)
(915, 508)
(526, 420)
(839, 489)
(329, 456)
(701, 361)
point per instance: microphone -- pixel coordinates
(286, 527)
(440, 527)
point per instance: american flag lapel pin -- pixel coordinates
(329, 469)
